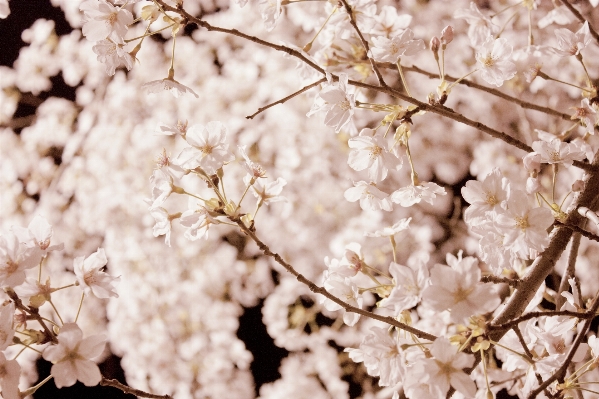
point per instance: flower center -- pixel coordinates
(344, 105)
(461, 294)
(491, 199)
(375, 152)
(207, 149)
(488, 61)
(522, 222)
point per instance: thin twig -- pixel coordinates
(289, 97)
(560, 373)
(437, 109)
(115, 384)
(495, 92)
(582, 19)
(579, 230)
(353, 23)
(534, 315)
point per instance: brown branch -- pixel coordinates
(437, 109)
(569, 272)
(115, 384)
(353, 23)
(561, 372)
(579, 230)
(500, 280)
(582, 19)
(289, 97)
(533, 315)
(495, 92)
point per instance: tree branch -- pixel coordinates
(352, 21)
(289, 97)
(533, 315)
(569, 272)
(500, 280)
(115, 384)
(579, 230)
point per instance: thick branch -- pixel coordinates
(580, 231)
(500, 280)
(569, 272)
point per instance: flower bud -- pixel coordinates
(434, 45)
(446, 36)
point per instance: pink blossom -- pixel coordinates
(72, 357)
(91, 278)
(494, 61)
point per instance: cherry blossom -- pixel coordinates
(209, 148)
(37, 234)
(456, 288)
(270, 192)
(113, 55)
(411, 195)
(389, 23)
(4, 9)
(167, 84)
(401, 225)
(493, 58)
(484, 196)
(558, 152)
(587, 115)
(162, 187)
(7, 330)
(336, 101)
(445, 369)
(410, 282)
(390, 50)
(344, 289)
(569, 43)
(178, 129)
(254, 170)
(480, 26)
(103, 20)
(162, 225)
(197, 219)
(524, 227)
(72, 357)
(371, 198)
(91, 278)
(15, 258)
(370, 152)
(271, 10)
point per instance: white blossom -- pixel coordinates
(493, 58)
(91, 278)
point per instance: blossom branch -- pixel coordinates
(437, 109)
(579, 230)
(561, 372)
(353, 23)
(49, 335)
(582, 19)
(533, 315)
(320, 290)
(115, 384)
(289, 97)
(495, 92)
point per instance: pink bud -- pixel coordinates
(447, 35)
(435, 44)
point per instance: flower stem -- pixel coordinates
(403, 78)
(80, 305)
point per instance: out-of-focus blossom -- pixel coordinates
(270, 11)
(4, 9)
(389, 23)
(7, 329)
(480, 26)
(180, 128)
(559, 15)
(10, 373)
(401, 225)
(167, 84)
